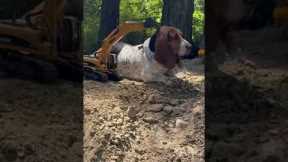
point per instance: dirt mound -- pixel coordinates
(247, 121)
(133, 121)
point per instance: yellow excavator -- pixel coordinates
(44, 42)
(102, 63)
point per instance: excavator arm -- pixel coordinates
(101, 61)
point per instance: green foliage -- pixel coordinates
(91, 22)
(134, 10)
(198, 20)
(140, 10)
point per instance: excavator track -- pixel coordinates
(92, 73)
(26, 67)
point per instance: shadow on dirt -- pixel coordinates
(241, 121)
(39, 122)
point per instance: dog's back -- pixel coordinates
(116, 49)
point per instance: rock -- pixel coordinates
(164, 143)
(87, 111)
(136, 159)
(168, 109)
(124, 108)
(181, 74)
(152, 99)
(150, 120)
(139, 151)
(92, 133)
(155, 108)
(174, 102)
(119, 122)
(179, 110)
(132, 112)
(115, 141)
(138, 83)
(170, 125)
(181, 124)
(198, 110)
(101, 127)
(156, 99)
(114, 158)
(140, 114)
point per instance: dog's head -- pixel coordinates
(170, 46)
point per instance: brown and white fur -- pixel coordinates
(157, 56)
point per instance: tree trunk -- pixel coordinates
(179, 14)
(109, 19)
(74, 8)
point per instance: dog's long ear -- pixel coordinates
(164, 54)
(152, 43)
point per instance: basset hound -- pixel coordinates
(153, 60)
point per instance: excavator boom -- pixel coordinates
(102, 55)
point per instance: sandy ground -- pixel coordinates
(131, 121)
(40, 122)
(248, 120)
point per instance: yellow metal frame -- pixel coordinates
(42, 39)
(103, 53)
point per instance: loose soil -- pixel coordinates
(133, 121)
(246, 117)
(40, 122)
